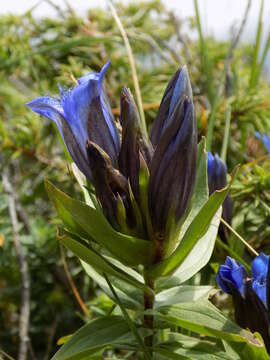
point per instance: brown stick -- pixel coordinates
(23, 268)
(72, 285)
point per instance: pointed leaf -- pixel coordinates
(205, 319)
(181, 294)
(93, 258)
(88, 222)
(92, 337)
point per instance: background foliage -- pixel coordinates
(35, 55)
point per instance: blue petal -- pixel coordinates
(232, 276)
(259, 266)
(210, 163)
(266, 142)
(265, 139)
(259, 271)
(182, 86)
(50, 108)
(77, 105)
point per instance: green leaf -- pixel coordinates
(80, 177)
(181, 294)
(89, 222)
(92, 337)
(205, 319)
(97, 261)
(247, 352)
(200, 192)
(131, 297)
(200, 254)
(177, 344)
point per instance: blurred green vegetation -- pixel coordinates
(36, 55)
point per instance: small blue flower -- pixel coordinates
(259, 272)
(265, 139)
(217, 172)
(250, 295)
(82, 114)
(217, 179)
(232, 276)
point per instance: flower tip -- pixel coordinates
(185, 81)
(104, 69)
(30, 104)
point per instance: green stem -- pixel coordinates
(226, 131)
(232, 253)
(149, 319)
(254, 67)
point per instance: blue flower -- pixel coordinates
(217, 172)
(265, 139)
(250, 296)
(232, 276)
(259, 272)
(82, 113)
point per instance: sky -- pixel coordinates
(217, 15)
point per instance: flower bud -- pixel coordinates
(173, 167)
(217, 180)
(133, 144)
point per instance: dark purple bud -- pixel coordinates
(178, 87)
(133, 144)
(217, 180)
(250, 313)
(109, 184)
(99, 163)
(172, 171)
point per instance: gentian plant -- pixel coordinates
(147, 224)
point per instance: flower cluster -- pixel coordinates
(251, 296)
(143, 184)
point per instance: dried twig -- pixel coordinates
(132, 65)
(23, 267)
(227, 82)
(72, 285)
(250, 248)
(235, 41)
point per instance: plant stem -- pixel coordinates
(149, 319)
(226, 136)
